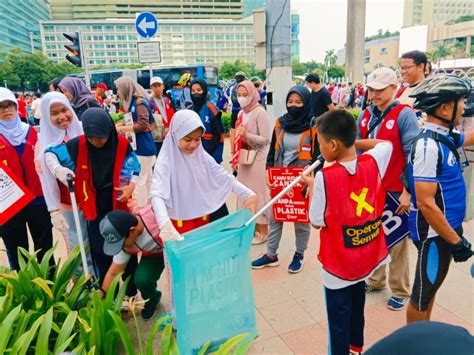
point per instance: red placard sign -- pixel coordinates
(292, 207)
(14, 195)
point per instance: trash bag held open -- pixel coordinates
(211, 283)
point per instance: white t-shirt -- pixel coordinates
(144, 241)
(35, 107)
(381, 153)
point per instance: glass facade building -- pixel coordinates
(183, 42)
(19, 24)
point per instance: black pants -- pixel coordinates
(345, 308)
(158, 146)
(102, 261)
(14, 232)
(221, 212)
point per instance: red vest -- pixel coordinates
(151, 225)
(23, 166)
(389, 131)
(168, 108)
(184, 226)
(400, 92)
(84, 185)
(352, 243)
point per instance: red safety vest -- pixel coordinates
(389, 131)
(352, 243)
(23, 166)
(400, 92)
(84, 185)
(183, 226)
(168, 108)
(151, 225)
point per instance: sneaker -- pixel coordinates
(369, 288)
(397, 303)
(265, 260)
(259, 239)
(296, 264)
(149, 310)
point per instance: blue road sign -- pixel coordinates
(146, 24)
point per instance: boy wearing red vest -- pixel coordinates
(389, 120)
(347, 204)
(125, 235)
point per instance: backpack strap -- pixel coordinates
(212, 108)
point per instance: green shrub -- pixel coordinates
(355, 112)
(226, 120)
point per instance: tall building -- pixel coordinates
(295, 33)
(19, 24)
(62, 10)
(250, 5)
(428, 12)
(187, 42)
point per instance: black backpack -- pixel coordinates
(440, 139)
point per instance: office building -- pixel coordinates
(112, 42)
(19, 24)
(428, 12)
(250, 5)
(62, 10)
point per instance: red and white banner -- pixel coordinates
(14, 195)
(292, 207)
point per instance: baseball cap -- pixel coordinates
(102, 86)
(381, 78)
(114, 228)
(156, 80)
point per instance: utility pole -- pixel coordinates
(355, 40)
(278, 55)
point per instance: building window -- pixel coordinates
(383, 50)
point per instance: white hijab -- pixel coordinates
(191, 185)
(14, 130)
(51, 136)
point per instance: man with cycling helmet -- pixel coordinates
(437, 188)
(185, 96)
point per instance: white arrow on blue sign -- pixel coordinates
(146, 24)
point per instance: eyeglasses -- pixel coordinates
(407, 68)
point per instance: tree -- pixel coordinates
(458, 50)
(460, 19)
(381, 34)
(336, 71)
(330, 57)
(441, 51)
(298, 68)
(228, 70)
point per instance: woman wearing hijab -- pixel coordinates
(97, 159)
(17, 142)
(78, 94)
(58, 125)
(213, 139)
(188, 184)
(293, 144)
(135, 101)
(252, 139)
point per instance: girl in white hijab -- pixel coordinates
(59, 124)
(17, 142)
(188, 184)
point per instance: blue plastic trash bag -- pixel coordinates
(212, 283)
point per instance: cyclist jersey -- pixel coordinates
(433, 161)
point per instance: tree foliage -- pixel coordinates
(31, 71)
(228, 70)
(325, 71)
(330, 57)
(381, 34)
(464, 18)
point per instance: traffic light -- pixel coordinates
(74, 48)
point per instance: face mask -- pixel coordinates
(197, 98)
(295, 111)
(243, 101)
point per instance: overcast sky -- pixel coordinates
(323, 23)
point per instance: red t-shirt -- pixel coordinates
(22, 112)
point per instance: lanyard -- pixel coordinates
(381, 118)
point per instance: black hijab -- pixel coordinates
(199, 102)
(96, 122)
(302, 122)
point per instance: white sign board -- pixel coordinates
(149, 52)
(412, 38)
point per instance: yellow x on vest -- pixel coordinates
(361, 203)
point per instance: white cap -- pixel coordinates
(381, 78)
(155, 80)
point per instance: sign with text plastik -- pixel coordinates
(395, 226)
(211, 283)
(293, 207)
(14, 195)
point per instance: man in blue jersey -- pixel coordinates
(438, 190)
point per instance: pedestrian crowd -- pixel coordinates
(143, 182)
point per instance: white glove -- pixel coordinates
(168, 233)
(61, 174)
(59, 222)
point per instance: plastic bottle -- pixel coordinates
(130, 165)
